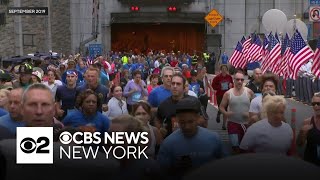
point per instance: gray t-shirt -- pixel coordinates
(262, 137)
(256, 105)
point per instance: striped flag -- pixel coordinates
(301, 52)
(243, 40)
(273, 56)
(237, 59)
(254, 53)
(316, 61)
(246, 45)
(283, 64)
(265, 47)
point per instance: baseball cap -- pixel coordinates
(5, 76)
(38, 72)
(25, 68)
(188, 103)
(194, 72)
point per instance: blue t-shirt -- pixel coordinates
(204, 147)
(158, 95)
(224, 59)
(104, 78)
(3, 112)
(7, 122)
(66, 96)
(76, 118)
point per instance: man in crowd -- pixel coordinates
(92, 82)
(25, 71)
(162, 92)
(269, 84)
(238, 99)
(222, 83)
(14, 119)
(190, 146)
(254, 84)
(66, 95)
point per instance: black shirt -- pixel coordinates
(312, 150)
(253, 87)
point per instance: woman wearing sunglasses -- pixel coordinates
(310, 133)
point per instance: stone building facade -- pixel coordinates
(72, 24)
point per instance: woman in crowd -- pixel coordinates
(52, 82)
(135, 90)
(37, 75)
(271, 134)
(142, 111)
(116, 105)
(87, 117)
(154, 80)
(125, 78)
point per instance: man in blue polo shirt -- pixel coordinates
(92, 82)
(162, 92)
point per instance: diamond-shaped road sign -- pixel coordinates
(213, 18)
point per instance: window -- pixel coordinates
(28, 39)
(2, 19)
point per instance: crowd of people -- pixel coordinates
(165, 94)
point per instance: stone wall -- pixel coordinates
(6, 34)
(60, 26)
(35, 29)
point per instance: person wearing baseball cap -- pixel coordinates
(25, 72)
(190, 146)
(5, 79)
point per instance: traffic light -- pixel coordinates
(134, 8)
(172, 9)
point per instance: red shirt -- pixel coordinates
(186, 74)
(221, 84)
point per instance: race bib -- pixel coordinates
(224, 86)
(136, 96)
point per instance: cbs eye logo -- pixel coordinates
(29, 145)
(65, 138)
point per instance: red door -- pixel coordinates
(164, 36)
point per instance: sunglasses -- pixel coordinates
(238, 79)
(315, 103)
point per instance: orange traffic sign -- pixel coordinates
(213, 18)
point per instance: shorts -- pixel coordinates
(236, 132)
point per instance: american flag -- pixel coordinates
(316, 61)
(283, 64)
(265, 47)
(301, 52)
(273, 56)
(243, 40)
(237, 58)
(254, 53)
(246, 45)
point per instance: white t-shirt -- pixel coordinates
(262, 137)
(256, 105)
(156, 64)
